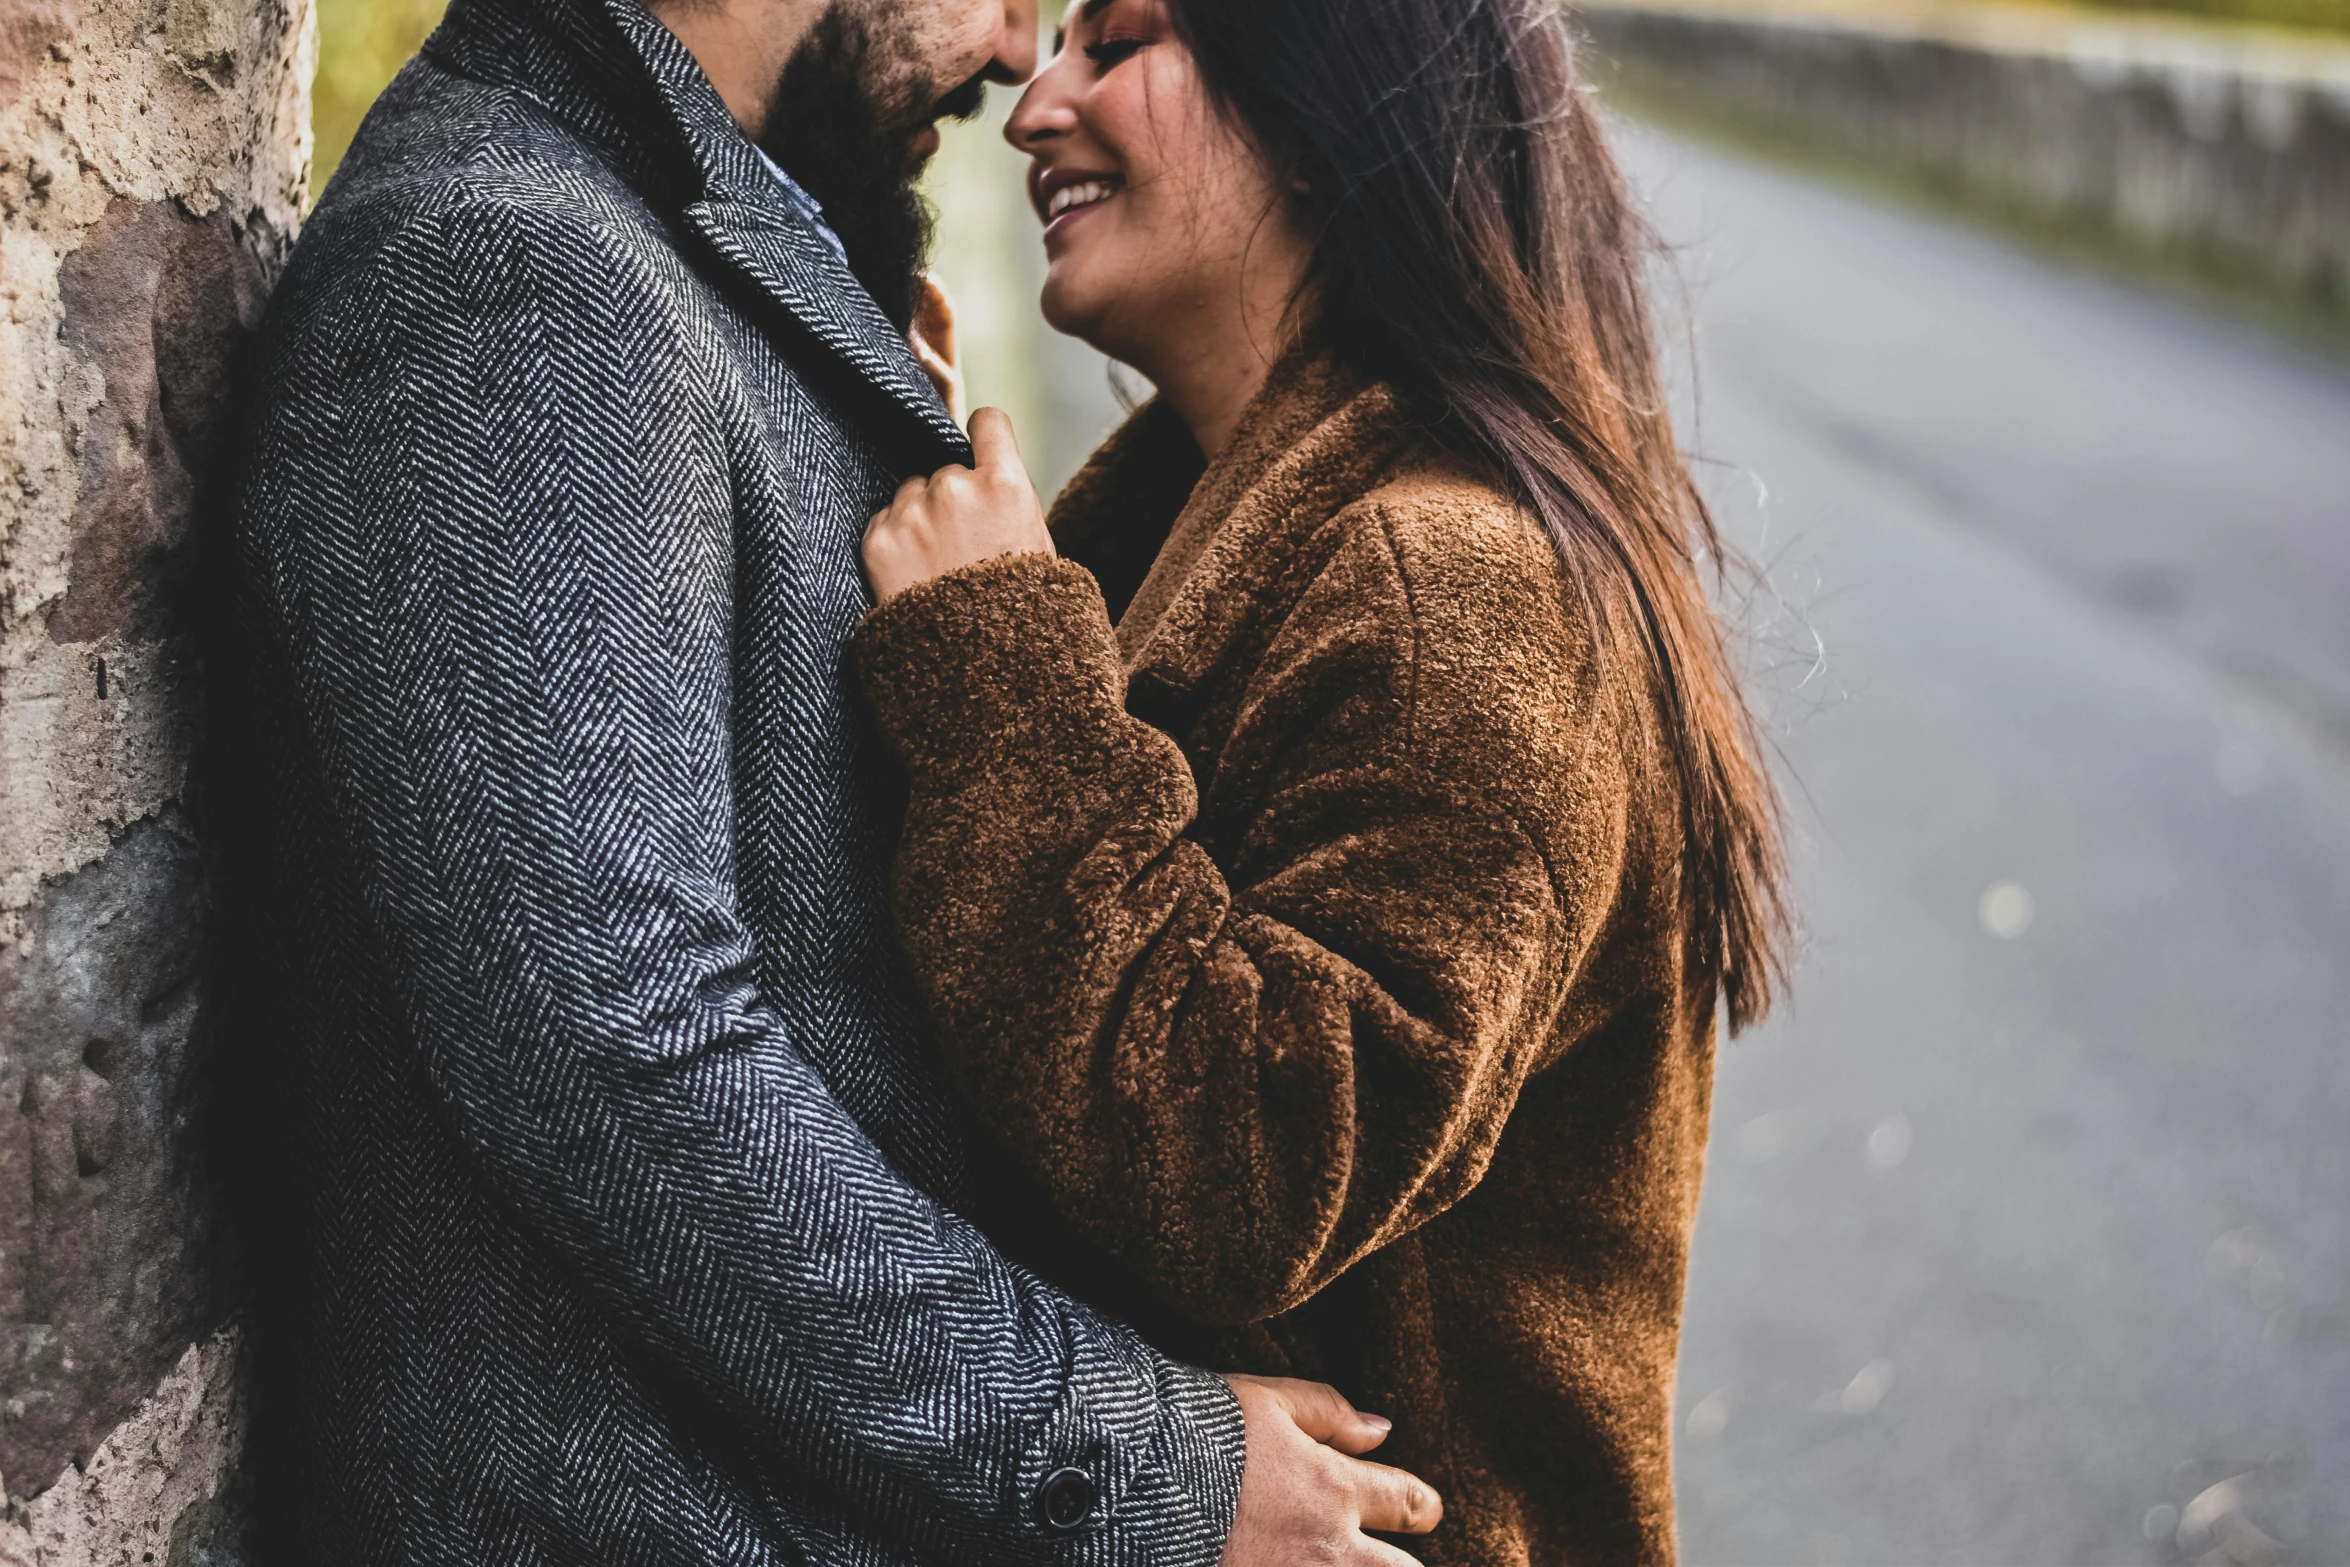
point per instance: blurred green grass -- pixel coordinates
(361, 46)
(2315, 15)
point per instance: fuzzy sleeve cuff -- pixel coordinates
(991, 660)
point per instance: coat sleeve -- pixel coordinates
(507, 624)
(1240, 1071)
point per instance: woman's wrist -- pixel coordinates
(969, 668)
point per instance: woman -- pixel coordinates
(1338, 940)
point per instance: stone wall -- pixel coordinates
(2229, 148)
(153, 160)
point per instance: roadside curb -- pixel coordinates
(2226, 148)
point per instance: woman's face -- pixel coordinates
(1157, 212)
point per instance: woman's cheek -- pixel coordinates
(1103, 266)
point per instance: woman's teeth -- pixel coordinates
(1084, 195)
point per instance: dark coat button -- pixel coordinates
(1066, 1499)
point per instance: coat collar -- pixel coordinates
(1317, 438)
(619, 76)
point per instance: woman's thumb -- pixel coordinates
(993, 442)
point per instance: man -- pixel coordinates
(617, 1183)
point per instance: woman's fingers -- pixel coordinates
(995, 444)
(1394, 1502)
(958, 516)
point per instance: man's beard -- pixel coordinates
(843, 126)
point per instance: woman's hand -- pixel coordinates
(933, 342)
(958, 516)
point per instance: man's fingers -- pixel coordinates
(1394, 1502)
(1359, 1434)
(1323, 1413)
(993, 443)
(934, 318)
(943, 376)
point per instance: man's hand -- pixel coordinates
(958, 516)
(933, 341)
(1304, 1497)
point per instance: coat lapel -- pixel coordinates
(1315, 439)
(782, 260)
(773, 256)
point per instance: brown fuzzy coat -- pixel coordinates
(1310, 940)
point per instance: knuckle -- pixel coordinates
(1327, 1548)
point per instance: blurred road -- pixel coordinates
(2027, 1233)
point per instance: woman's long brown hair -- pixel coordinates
(1475, 246)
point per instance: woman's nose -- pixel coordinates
(1044, 111)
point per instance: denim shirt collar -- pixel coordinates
(804, 204)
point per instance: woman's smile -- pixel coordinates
(1191, 278)
(1062, 194)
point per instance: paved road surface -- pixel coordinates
(2027, 1233)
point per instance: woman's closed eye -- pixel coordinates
(1111, 52)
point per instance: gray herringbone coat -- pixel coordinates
(616, 1180)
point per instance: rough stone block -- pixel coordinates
(201, 32)
(154, 160)
(113, 1267)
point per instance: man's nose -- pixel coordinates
(1016, 46)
